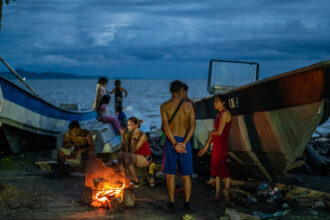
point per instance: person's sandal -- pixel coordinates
(227, 201)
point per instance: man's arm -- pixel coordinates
(166, 126)
(90, 141)
(112, 91)
(125, 92)
(192, 123)
(67, 141)
(91, 147)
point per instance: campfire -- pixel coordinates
(109, 189)
(104, 192)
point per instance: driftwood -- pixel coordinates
(19, 77)
(295, 166)
(129, 198)
(87, 196)
(303, 197)
(244, 184)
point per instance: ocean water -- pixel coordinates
(144, 95)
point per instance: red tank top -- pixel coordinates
(144, 150)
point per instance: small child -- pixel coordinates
(100, 92)
(121, 116)
(118, 90)
(102, 111)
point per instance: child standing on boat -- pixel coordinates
(102, 111)
(219, 136)
(118, 90)
(100, 92)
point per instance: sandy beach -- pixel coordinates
(36, 196)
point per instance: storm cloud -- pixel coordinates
(139, 38)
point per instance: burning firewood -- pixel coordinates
(107, 186)
(129, 197)
(87, 196)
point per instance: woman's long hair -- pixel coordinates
(224, 99)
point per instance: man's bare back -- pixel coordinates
(184, 118)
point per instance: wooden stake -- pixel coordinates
(18, 76)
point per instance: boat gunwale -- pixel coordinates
(317, 66)
(44, 101)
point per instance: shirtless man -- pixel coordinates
(77, 144)
(177, 149)
(185, 94)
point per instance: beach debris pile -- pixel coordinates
(316, 157)
(279, 198)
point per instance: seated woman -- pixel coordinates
(103, 115)
(77, 145)
(136, 151)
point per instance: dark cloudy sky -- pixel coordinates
(163, 38)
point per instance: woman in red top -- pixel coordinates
(219, 136)
(136, 151)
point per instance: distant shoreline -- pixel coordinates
(56, 75)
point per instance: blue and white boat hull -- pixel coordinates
(26, 120)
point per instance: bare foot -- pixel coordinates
(226, 193)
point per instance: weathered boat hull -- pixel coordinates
(20, 140)
(31, 123)
(273, 119)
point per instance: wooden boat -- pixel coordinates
(272, 119)
(28, 122)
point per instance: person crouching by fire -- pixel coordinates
(136, 151)
(77, 146)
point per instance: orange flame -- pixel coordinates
(105, 183)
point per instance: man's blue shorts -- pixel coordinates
(173, 159)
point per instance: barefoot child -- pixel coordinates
(118, 90)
